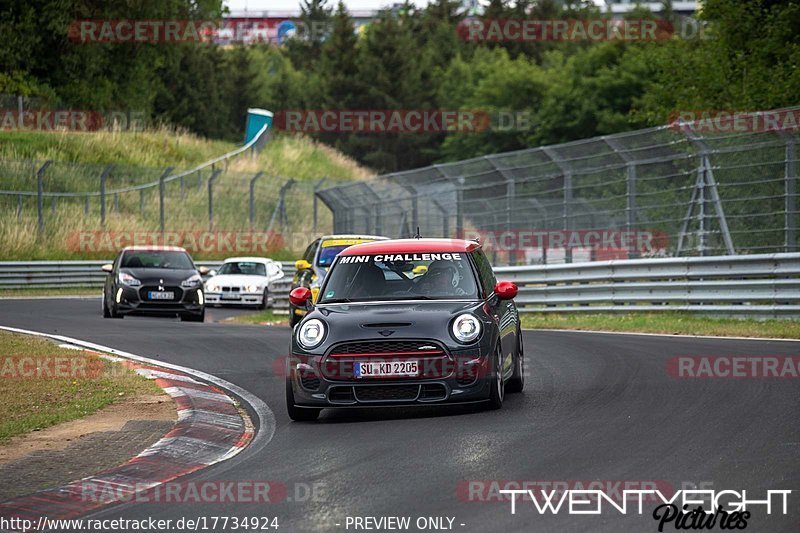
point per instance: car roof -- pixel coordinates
(353, 236)
(249, 259)
(401, 246)
(153, 248)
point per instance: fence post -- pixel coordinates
(103, 176)
(53, 200)
(161, 179)
(790, 196)
(19, 207)
(211, 181)
(86, 205)
(183, 189)
(40, 194)
(316, 189)
(460, 208)
(116, 202)
(252, 199)
(141, 202)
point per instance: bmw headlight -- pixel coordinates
(252, 288)
(212, 287)
(311, 333)
(127, 279)
(192, 281)
(466, 328)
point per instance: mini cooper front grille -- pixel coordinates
(410, 347)
(387, 393)
(341, 395)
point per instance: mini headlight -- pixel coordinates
(466, 328)
(311, 333)
(127, 279)
(192, 281)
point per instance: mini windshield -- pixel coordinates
(247, 268)
(428, 276)
(173, 259)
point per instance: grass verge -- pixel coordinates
(50, 292)
(42, 385)
(666, 323)
(267, 317)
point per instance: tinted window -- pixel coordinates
(309, 253)
(434, 276)
(157, 259)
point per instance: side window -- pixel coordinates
(485, 271)
(310, 251)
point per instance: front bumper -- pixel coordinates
(313, 386)
(134, 301)
(242, 298)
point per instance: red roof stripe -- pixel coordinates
(406, 246)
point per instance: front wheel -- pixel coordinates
(299, 414)
(263, 304)
(498, 389)
(517, 381)
(194, 318)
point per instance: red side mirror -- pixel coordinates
(506, 290)
(300, 296)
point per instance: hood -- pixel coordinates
(171, 276)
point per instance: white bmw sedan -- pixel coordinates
(243, 281)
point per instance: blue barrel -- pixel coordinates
(256, 119)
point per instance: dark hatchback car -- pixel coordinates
(405, 322)
(154, 280)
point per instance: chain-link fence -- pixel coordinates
(726, 185)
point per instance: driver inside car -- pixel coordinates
(442, 278)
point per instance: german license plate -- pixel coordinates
(388, 369)
(231, 296)
(161, 295)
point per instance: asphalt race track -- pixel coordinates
(596, 407)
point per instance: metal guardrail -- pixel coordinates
(743, 284)
(764, 284)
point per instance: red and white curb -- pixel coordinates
(210, 428)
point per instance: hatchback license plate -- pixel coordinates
(388, 369)
(161, 295)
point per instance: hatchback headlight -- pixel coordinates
(466, 328)
(311, 333)
(127, 279)
(192, 281)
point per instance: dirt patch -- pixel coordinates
(151, 407)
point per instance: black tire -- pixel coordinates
(191, 317)
(263, 304)
(113, 313)
(299, 414)
(497, 390)
(517, 381)
(106, 312)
